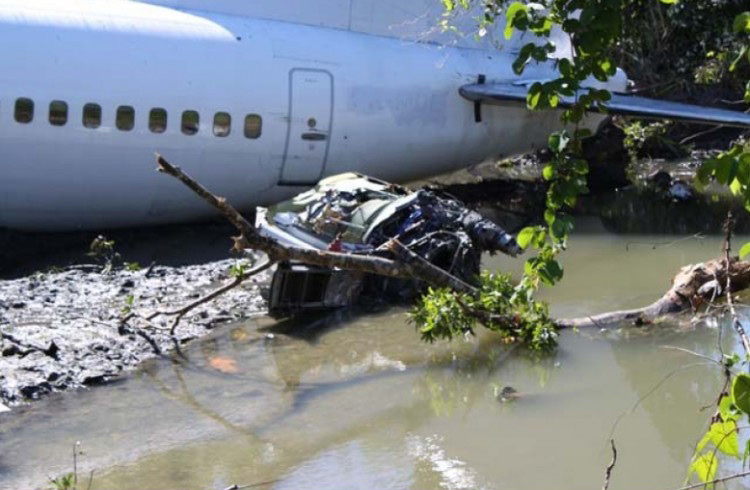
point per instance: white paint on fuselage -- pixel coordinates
(396, 110)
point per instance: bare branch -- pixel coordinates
(179, 313)
(728, 225)
(687, 292)
(405, 267)
(611, 466)
(712, 482)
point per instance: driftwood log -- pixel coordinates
(692, 287)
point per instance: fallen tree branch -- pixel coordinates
(181, 312)
(689, 287)
(693, 286)
(250, 238)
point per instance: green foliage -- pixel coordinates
(641, 138)
(127, 308)
(64, 482)
(704, 467)
(132, 266)
(721, 438)
(741, 392)
(103, 251)
(499, 305)
(238, 270)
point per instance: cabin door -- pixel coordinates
(310, 113)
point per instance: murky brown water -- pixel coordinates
(359, 402)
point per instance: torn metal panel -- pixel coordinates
(356, 214)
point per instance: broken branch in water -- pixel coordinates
(179, 313)
(693, 286)
(250, 238)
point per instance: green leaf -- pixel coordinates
(533, 96)
(745, 250)
(742, 23)
(705, 171)
(741, 391)
(548, 172)
(525, 236)
(736, 187)
(705, 467)
(515, 9)
(724, 436)
(558, 141)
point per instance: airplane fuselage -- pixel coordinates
(254, 109)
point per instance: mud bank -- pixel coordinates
(61, 330)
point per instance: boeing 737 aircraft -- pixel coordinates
(256, 99)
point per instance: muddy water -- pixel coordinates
(356, 401)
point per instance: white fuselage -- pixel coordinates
(330, 100)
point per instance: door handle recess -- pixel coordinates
(314, 136)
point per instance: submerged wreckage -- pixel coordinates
(360, 215)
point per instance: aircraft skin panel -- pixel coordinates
(406, 20)
(621, 104)
(396, 112)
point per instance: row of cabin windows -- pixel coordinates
(125, 118)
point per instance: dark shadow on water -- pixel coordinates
(310, 326)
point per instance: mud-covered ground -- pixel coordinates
(62, 329)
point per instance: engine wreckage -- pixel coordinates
(356, 214)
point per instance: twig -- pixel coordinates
(181, 312)
(75, 463)
(611, 466)
(91, 480)
(718, 480)
(728, 224)
(651, 391)
(691, 352)
(252, 485)
(700, 133)
(20, 343)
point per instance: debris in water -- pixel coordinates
(356, 214)
(508, 394)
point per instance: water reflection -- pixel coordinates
(358, 401)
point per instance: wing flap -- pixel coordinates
(622, 104)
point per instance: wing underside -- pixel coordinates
(621, 104)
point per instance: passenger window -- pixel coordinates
(190, 122)
(125, 119)
(58, 113)
(157, 120)
(253, 126)
(92, 115)
(222, 124)
(24, 112)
